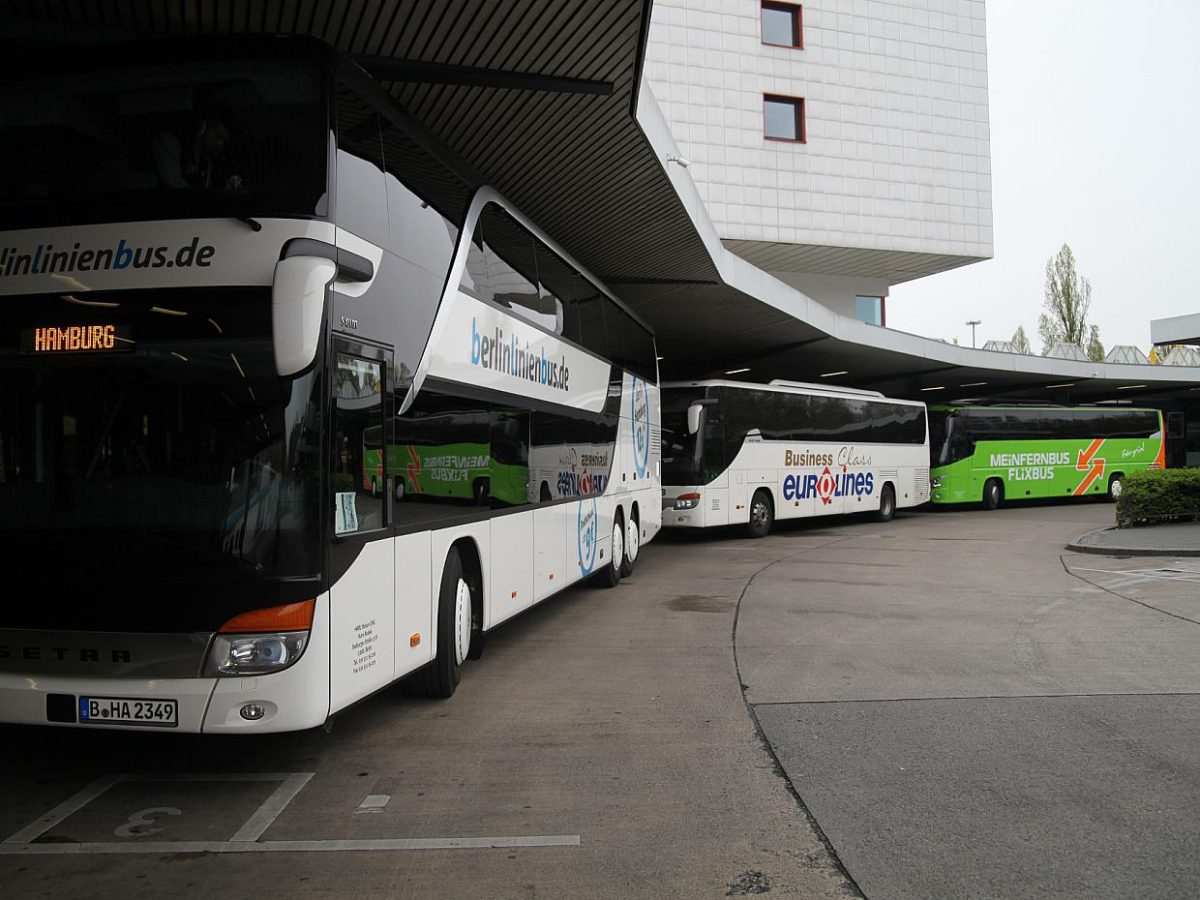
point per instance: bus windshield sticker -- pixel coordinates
(346, 513)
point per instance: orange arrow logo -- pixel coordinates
(1089, 461)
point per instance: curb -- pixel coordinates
(1077, 547)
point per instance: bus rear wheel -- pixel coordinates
(633, 544)
(1115, 486)
(457, 626)
(887, 504)
(993, 493)
(762, 515)
(610, 573)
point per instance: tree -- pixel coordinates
(1095, 349)
(1068, 296)
(1020, 341)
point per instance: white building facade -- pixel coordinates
(840, 145)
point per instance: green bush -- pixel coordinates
(1158, 495)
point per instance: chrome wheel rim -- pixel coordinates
(1116, 489)
(462, 621)
(759, 514)
(618, 545)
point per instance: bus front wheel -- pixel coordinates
(887, 504)
(762, 515)
(456, 631)
(993, 493)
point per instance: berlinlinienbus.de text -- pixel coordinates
(46, 259)
(501, 354)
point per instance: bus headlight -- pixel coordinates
(261, 641)
(937, 482)
(687, 501)
(255, 654)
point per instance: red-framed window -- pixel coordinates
(782, 24)
(783, 118)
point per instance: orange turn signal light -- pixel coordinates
(415, 639)
(688, 497)
(289, 617)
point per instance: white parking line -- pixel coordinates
(66, 808)
(389, 845)
(1158, 574)
(252, 830)
(274, 805)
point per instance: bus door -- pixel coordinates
(361, 549)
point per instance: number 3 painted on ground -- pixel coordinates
(141, 824)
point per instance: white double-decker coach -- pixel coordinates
(291, 405)
(748, 454)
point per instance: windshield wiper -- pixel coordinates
(254, 224)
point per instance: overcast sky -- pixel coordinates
(1095, 127)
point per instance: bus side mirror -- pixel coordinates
(693, 417)
(297, 305)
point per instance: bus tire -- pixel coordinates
(456, 630)
(993, 493)
(633, 544)
(887, 504)
(609, 575)
(1115, 486)
(762, 515)
(480, 491)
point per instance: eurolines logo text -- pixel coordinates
(502, 354)
(47, 259)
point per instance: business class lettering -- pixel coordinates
(828, 483)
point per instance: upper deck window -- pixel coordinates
(164, 138)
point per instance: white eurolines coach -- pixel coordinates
(738, 453)
(242, 271)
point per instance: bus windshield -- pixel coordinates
(941, 423)
(161, 135)
(145, 440)
(682, 453)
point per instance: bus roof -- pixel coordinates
(1055, 407)
(791, 387)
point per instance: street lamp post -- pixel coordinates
(973, 323)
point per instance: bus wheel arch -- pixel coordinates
(993, 493)
(1115, 486)
(887, 502)
(633, 541)
(762, 513)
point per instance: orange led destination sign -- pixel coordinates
(76, 339)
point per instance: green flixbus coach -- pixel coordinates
(991, 453)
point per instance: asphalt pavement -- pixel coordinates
(948, 705)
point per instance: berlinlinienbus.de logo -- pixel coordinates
(48, 259)
(503, 354)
